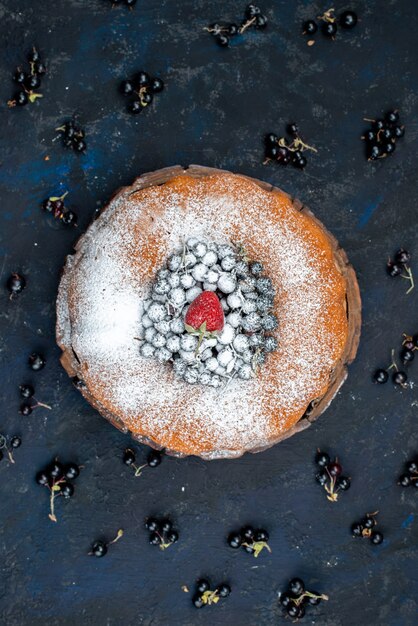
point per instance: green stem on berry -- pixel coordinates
(55, 198)
(118, 536)
(138, 470)
(328, 16)
(246, 25)
(210, 597)
(410, 278)
(309, 594)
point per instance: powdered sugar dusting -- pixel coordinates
(114, 266)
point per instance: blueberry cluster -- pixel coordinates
(381, 137)
(55, 205)
(28, 392)
(73, 136)
(141, 90)
(284, 150)
(99, 547)
(58, 480)
(329, 476)
(36, 361)
(329, 24)
(153, 460)
(222, 32)
(7, 448)
(295, 600)
(400, 267)
(366, 528)
(128, 3)
(204, 596)
(410, 477)
(28, 81)
(251, 540)
(161, 531)
(246, 296)
(15, 284)
(406, 355)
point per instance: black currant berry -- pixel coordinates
(157, 85)
(380, 376)
(71, 471)
(154, 458)
(376, 538)
(296, 587)
(309, 27)
(348, 19)
(15, 442)
(400, 378)
(329, 29)
(322, 459)
(202, 585)
(99, 549)
(67, 490)
(222, 40)
(402, 256)
(224, 590)
(15, 284)
(126, 88)
(36, 362)
(234, 541)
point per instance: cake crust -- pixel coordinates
(340, 313)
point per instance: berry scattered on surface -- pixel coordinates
(28, 392)
(36, 361)
(329, 24)
(284, 151)
(154, 459)
(99, 548)
(348, 19)
(204, 596)
(56, 206)
(381, 138)
(410, 477)
(56, 477)
(250, 539)
(330, 477)
(366, 528)
(29, 81)
(15, 284)
(296, 598)
(223, 32)
(73, 136)
(7, 448)
(161, 531)
(140, 89)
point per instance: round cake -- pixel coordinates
(207, 313)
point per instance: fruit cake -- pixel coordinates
(207, 313)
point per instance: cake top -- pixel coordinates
(109, 278)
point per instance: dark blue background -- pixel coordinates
(215, 110)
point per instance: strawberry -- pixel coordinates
(204, 316)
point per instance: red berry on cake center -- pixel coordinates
(206, 310)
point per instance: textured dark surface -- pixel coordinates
(217, 105)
